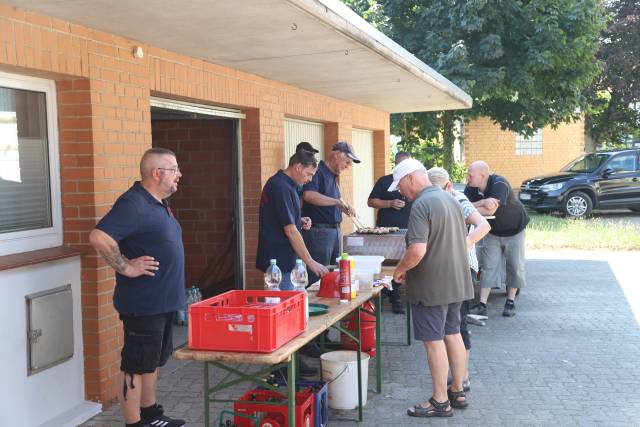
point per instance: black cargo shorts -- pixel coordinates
(147, 342)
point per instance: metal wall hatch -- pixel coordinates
(49, 328)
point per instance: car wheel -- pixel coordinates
(578, 205)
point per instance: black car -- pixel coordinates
(600, 180)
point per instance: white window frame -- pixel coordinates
(529, 146)
(48, 237)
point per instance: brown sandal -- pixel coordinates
(437, 409)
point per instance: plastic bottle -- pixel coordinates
(345, 278)
(354, 281)
(198, 294)
(272, 279)
(299, 279)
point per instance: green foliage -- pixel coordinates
(526, 63)
(614, 116)
(458, 173)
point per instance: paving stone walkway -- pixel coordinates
(570, 357)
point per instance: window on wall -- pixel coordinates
(30, 216)
(529, 146)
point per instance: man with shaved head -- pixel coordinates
(492, 195)
(142, 241)
(435, 268)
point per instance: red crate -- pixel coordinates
(263, 403)
(242, 321)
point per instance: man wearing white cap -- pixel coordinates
(437, 283)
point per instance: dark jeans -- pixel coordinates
(324, 245)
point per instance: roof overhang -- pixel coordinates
(317, 45)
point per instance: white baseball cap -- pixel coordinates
(403, 169)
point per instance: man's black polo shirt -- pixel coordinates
(144, 226)
(511, 217)
(324, 182)
(389, 217)
(279, 206)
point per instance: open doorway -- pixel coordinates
(207, 203)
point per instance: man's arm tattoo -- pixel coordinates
(115, 259)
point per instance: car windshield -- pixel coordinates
(587, 163)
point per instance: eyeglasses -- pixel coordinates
(173, 170)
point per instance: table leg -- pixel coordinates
(379, 342)
(359, 354)
(291, 389)
(408, 324)
(207, 422)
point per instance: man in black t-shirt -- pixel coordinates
(493, 196)
(393, 211)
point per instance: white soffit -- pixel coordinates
(318, 45)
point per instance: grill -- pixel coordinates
(529, 187)
(391, 246)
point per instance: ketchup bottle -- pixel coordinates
(345, 278)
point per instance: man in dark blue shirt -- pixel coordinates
(393, 211)
(306, 146)
(324, 205)
(279, 235)
(142, 241)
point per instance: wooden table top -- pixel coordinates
(315, 326)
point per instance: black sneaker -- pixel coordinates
(303, 369)
(311, 349)
(154, 417)
(509, 309)
(479, 309)
(397, 308)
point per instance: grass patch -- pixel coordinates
(552, 232)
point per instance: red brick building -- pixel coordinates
(87, 87)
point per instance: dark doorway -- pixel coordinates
(205, 203)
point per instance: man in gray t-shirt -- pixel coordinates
(436, 282)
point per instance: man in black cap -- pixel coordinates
(393, 211)
(324, 205)
(306, 146)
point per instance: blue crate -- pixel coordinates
(320, 399)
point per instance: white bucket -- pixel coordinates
(340, 370)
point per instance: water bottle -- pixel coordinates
(299, 279)
(272, 279)
(197, 294)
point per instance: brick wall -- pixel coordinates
(203, 204)
(484, 140)
(105, 126)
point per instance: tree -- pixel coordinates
(526, 64)
(615, 94)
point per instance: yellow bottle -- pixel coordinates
(352, 265)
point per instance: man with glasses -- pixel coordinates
(142, 241)
(324, 205)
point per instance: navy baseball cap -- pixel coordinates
(347, 149)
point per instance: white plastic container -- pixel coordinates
(340, 370)
(367, 263)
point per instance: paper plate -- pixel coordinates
(316, 309)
